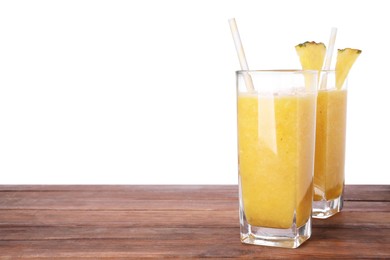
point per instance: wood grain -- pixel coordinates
(122, 222)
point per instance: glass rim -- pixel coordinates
(282, 71)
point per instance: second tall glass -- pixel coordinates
(330, 147)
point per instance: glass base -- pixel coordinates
(326, 208)
(289, 238)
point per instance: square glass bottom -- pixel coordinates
(326, 208)
(291, 237)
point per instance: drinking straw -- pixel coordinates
(241, 54)
(328, 56)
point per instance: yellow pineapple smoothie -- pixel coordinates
(331, 122)
(330, 144)
(276, 146)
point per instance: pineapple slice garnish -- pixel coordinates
(311, 55)
(345, 59)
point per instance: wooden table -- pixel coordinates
(97, 222)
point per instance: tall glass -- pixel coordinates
(330, 147)
(276, 140)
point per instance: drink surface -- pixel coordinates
(330, 144)
(276, 148)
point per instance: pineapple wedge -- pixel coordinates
(311, 55)
(345, 59)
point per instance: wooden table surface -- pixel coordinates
(105, 222)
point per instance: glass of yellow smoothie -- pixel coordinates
(276, 117)
(331, 122)
(330, 147)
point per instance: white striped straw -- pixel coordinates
(241, 54)
(328, 56)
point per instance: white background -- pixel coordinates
(143, 92)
